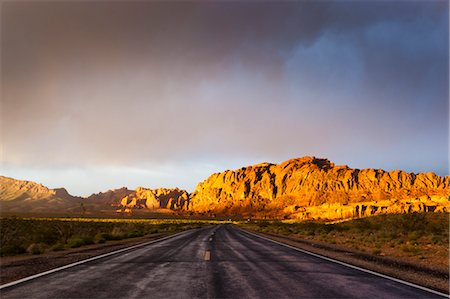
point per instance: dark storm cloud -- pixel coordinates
(160, 83)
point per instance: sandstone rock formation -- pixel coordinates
(304, 188)
(162, 198)
(25, 197)
(111, 197)
(314, 188)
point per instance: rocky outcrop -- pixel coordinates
(162, 198)
(304, 188)
(110, 197)
(25, 197)
(313, 188)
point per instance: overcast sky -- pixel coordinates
(99, 95)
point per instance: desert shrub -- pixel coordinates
(262, 224)
(376, 251)
(101, 238)
(436, 240)
(75, 242)
(400, 241)
(134, 234)
(363, 225)
(310, 233)
(57, 247)
(413, 222)
(12, 249)
(410, 249)
(414, 235)
(118, 233)
(88, 240)
(46, 235)
(17, 235)
(36, 248)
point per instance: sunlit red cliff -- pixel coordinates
(304, 188)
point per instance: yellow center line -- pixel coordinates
(207, 255)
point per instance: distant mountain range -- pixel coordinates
(303, 188)
(28, 197)
(24, 197)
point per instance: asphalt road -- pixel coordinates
(213, 262)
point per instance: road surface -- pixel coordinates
(214, 262)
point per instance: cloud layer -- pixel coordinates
(202, 87)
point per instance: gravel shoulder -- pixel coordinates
(16, 267)
(432, 277)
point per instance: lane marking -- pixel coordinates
(6, 285)
(207, 255)
(350, 266)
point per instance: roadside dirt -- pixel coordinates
(16, 267)
(432, 277)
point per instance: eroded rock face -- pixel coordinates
(110, 197)
(162, 198)
(304, 188)
(313, 188)
(20, 197)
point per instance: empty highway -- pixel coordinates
(213, 262)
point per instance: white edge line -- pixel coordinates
(351, 266)
(6, 285)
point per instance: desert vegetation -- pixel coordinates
(422, 237)
(39, 235)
